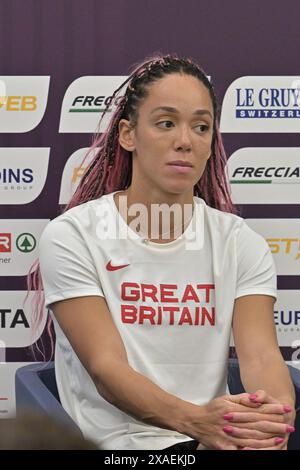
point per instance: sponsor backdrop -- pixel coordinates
(60, 62)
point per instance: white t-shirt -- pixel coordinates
(171, 302)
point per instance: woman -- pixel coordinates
(143, 313)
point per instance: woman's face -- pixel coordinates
(175, 123)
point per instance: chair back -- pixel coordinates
(36, 392)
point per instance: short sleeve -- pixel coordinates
(66, 264)
(256, 272)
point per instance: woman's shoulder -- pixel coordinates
(76, 218)
(219, 217)
(224, 226)
(80, 211)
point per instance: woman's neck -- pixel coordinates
(160, 219)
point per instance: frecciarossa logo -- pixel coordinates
(168, 304)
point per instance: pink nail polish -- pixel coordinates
(228, 429)
(228, 416)
(278, 440)
(253, 396)
(290, 429)
(287, 408)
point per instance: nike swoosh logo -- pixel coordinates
(109, 266)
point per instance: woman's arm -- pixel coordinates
(261, 364)
(87, 323)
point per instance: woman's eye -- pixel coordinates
(202, 127)
(165, 124)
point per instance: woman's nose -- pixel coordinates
(183, 139)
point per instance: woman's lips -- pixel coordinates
(181, 167)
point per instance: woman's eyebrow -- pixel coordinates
(170, 109)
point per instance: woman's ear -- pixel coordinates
(126, 135)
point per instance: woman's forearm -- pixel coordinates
(270, 374)
(139, 397)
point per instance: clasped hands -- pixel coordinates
(246, 422)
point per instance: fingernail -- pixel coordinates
(290, 429)
(228, 429)
(287, 408)
(253, 396)
(228, 416)
(278, 440)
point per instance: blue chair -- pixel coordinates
(36, 391)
